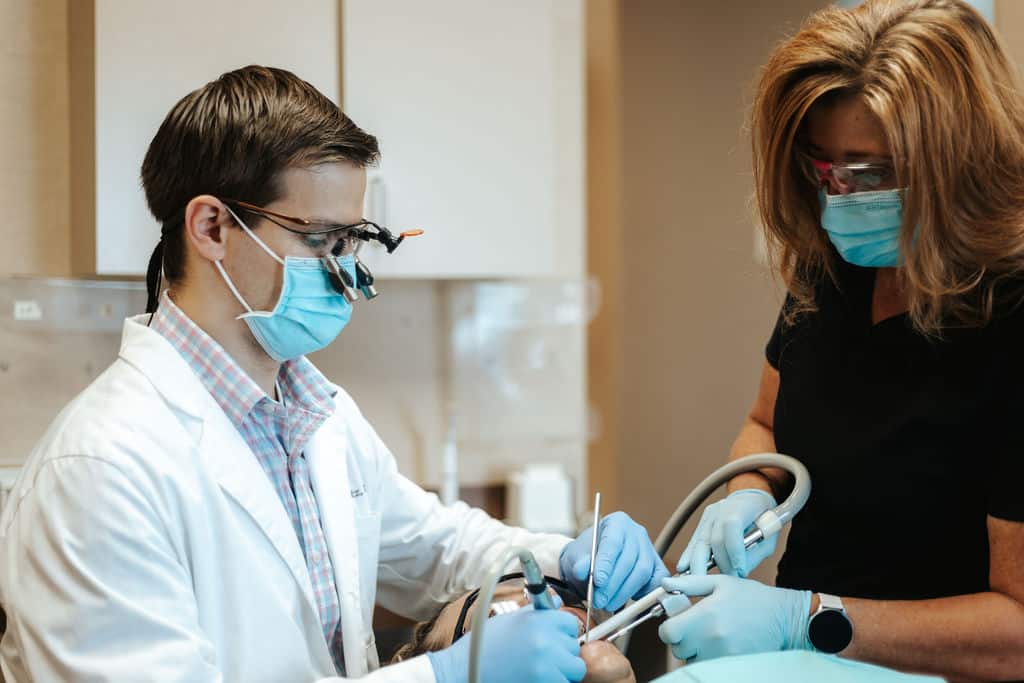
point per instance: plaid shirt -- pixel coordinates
(277, 433)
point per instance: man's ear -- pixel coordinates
(206, 223)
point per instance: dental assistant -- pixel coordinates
(212, 508)
(888, 146)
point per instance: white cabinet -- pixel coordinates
(479, 108)
(478, 105)
(148, 55)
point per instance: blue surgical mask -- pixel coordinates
(864, 226)
(308, 315)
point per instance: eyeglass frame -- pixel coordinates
(823, 172)
(569, 595)
(353, 230)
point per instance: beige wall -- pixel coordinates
(1010, 22)
(695, 307)
(34, 138)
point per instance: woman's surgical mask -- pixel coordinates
(309, 314)
(864, 226)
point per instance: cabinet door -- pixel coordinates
(150, 54)
(478, 105)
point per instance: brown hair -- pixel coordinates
(232, 138)
(420, 643)
(950, 101)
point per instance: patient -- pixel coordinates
(605, 664)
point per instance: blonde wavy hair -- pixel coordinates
(950, 101)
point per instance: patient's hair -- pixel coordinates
(420, 644)
(950, 101)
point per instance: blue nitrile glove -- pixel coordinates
(721, 531)
(627, 565)
(738, 617)
(525, 646)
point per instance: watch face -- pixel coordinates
(830, 631)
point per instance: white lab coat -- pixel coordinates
(143, 541)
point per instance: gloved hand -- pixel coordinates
(721, 531)
(738, 616)
(627, 565)
(525, 646)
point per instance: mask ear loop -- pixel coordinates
(234, 290)
(251, 234)
(223, 273)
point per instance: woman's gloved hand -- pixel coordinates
(738, 617)
(721, 531)
(627, 565)
(525, 646)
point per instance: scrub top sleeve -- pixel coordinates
(1006, 499)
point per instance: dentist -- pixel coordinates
(212, 508)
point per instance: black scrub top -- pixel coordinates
(910, 442)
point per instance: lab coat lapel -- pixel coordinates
(242, 477)
(328, 463)
(222, 448)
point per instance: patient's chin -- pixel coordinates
(605, 664)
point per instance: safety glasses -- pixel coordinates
(515, 583)
(847, 177)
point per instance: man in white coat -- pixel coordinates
(211, 508)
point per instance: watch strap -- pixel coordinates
(827, 601)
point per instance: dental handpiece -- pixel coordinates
(536, 584)
(649, 607)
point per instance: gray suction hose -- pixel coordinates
(768, 524)
(486, 596)
(785, 511)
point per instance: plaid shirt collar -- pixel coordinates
(300, 384)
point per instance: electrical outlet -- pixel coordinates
(27, 310)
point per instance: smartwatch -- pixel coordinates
(830, 629)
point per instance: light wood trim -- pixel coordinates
(341, 54)
(82, 112)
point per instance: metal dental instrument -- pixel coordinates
(593, 558)
(769, 523)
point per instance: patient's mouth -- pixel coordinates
(581, 616)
